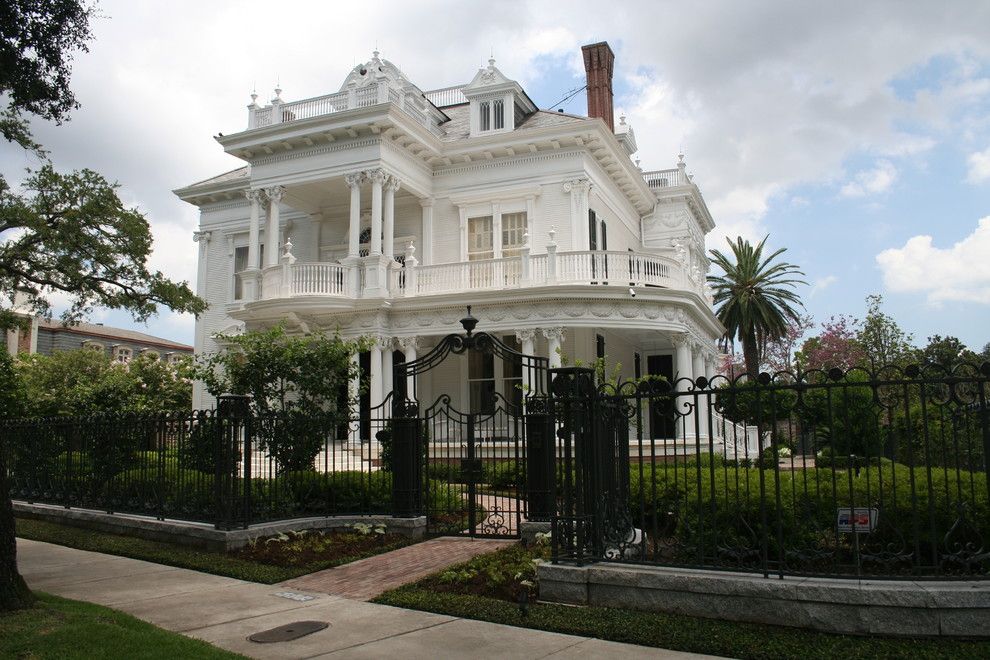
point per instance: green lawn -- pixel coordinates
(245, 567)
(60, 628)
(482, 588)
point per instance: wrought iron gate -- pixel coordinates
(467, 470)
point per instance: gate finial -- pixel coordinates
(469, 322)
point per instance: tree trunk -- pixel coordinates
(751, 355)
(14, 592)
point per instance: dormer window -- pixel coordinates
(497, 103)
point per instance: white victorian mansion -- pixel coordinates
(383, 210)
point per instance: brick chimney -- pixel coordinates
(598, 61)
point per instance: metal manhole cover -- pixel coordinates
(289, 632)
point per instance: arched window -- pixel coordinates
(485, 120)
(498, 109)
(122, 354)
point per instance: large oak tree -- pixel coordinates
(67, 233)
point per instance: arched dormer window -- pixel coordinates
(122, 354)
(498, 113)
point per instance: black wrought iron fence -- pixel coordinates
(823, 473)
(227, 466)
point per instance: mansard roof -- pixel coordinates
(459, 126)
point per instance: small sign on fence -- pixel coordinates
(862, 518)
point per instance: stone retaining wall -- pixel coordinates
(202, 535)
(886, 607)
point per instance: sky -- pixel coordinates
(856, 135)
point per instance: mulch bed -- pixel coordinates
(310, 548)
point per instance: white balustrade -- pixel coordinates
(574, 268)
(319, 279)
(666, 178)
(447, 96)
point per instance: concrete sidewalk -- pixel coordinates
(224, 611)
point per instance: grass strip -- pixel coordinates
(66, 629)
(170, 554)
(679, 632)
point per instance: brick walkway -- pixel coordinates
(367, 578)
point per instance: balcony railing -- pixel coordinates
(282, 112)
(667, 178)
(291, 279)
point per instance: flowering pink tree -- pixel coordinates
(835, 346)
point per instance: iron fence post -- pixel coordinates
(539, 461)
(407, 461)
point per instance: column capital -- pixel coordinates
(376, 176)
(354, 179)
(526, 334)
(254, 195)
(553, 333)
(577, 186)
(275, 193)
(392, 183)
(681, 339)
(202, 236)
(385, 343)
(426, 202)
(408, 342)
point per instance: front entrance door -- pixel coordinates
(662, 418)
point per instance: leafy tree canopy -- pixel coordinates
(881, 338)
(86, 382)
(67, 233)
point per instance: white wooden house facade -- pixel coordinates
(382, 210)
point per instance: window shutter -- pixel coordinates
(592, 230)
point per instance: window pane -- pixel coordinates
(240, 265)
(485, 118)
(513, 229)
(499, 114)
(480, 238)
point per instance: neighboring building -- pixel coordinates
(384, 210)
(47, 336)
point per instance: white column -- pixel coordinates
(555, 337)
(254, 229)
(272, 234)
(315, 230)
(376, 374)
(683, 372)
(354, 228)
(391, 186)
(354, 393)
(409, 346)
(525, 339)
(387, 365)
(496, 230)
(377, 178)
(426, 244)
(698, 369)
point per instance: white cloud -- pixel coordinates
(822, 283)
(871, 182)
(960, 273)
(979, 166)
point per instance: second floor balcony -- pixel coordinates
(592, 268)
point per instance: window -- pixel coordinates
(498, 109)
(484, 119)
(122, 354)
(480, 238)
(513, 232)
(241, 265)
(637, 366)
(599, 346)
(481, 381)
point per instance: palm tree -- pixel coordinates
(754, 297)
